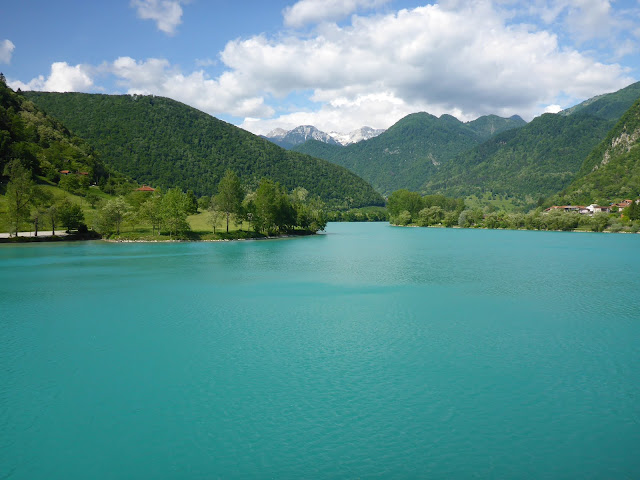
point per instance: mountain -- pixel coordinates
(165, 143)
(409, 152)
(289, 139)
(489, 125)
(43, 144)
(534, 161)
(610, 105)
(611, 172)
(537, 160)
(362, 133)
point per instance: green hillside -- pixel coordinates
(611, 172)
(610, 105)
(165, 143)
(537, 160)
(409, 152)
(534, 161)
(42, 144)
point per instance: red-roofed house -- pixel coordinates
(145, 188)
(623, 204)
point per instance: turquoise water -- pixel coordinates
(368, 352)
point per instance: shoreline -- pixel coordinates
(508, 229)
(93, 236)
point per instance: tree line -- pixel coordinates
(269, 209)
(411, 208)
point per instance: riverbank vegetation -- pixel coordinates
(411, 209)
(147, 213)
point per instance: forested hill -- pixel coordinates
(610, 105)
(165, 143)
(534, 161)
(611, 172)
(537, 160)
(409, 152)
(42, 144)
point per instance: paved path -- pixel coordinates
(41, 233)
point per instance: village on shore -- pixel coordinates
(593, 208)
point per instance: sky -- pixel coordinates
(335, 64)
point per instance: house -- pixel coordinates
(593, 208)
(65, 172)
(622, 205)
(145, 188)
(564, 208)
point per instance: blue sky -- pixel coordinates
(336, 64)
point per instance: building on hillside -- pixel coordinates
(622, 205)
(565, 208)
(65, 172)
(145, 188)
(593, 208)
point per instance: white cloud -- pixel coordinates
(6, 50)
(466, 60)
(587, 20)
(379, 110)
(316, 11)
(166, 13)
(216, 96)
(553, 109)
(62, 78)
(590, 18)
(205, 62)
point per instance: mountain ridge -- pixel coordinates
(611, 172)
(410, 150)
(162, 142)
(290, 138)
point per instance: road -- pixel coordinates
(41, 233)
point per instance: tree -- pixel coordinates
(192, 203)
(112, 214)
(19, 194)
(230, 195)
(70, 214)
(430, 216)
(92, 197)
(52, 215)
(404, 200)
(151, 212)
(633, 211)
(175, 207)
(215, 216)
(403, 218)
(73, 183)
(42, 201)
(264, 217)
(203, 203)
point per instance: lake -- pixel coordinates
(370, 351)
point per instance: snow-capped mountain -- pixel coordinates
(291, 138)
(278, 133)
(363, 133)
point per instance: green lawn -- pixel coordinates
(201, 223)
